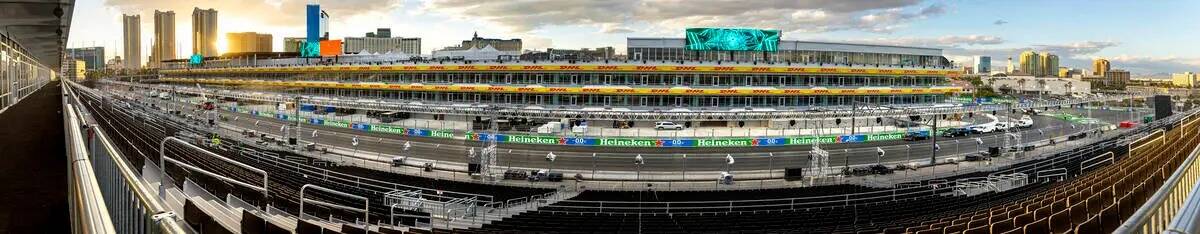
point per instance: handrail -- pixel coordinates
(366, 203)
(1161, 209)
(87, 207)
(121, 183)
(162, 159)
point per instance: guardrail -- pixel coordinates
(1174, 206)
(107, 195)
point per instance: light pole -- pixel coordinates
(685, 167)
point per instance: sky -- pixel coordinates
(1142, 37)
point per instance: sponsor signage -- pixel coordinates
(388, 129)
(626, 142)
(539, 140)
(732, 142)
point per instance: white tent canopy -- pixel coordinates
(486, 53)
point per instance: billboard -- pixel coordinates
(331, 48)
(310, 49)
(732, 39)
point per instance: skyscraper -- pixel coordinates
(248, 42)
(1010, 68)
(1100, 67)
(132, 32)
(983, 64)
(1031, 63)
(1049, 64)
(163, 47)
(204, 32)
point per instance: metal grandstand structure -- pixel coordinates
(831, 113)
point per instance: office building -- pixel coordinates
(1030, 64)
(1049, 64)
(248, 42)
(132, 46)
(1009, 69)
(1117, 78)
(1186, 79)
(92, 56)
(292, 44)
(509, 45)
(163, 46)
(983, 64)
(381, 33)
(1100, 67)
(76, 69)
(380, 45)
(204, 32)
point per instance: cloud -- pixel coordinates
(949, 41)
(1152, 65)
(614, 16)
(614, 28)
(999, 22)
(1077, 48)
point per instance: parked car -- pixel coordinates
(916, 136)
(667, 126)
(956, 132)
(1004, 125)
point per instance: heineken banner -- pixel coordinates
(388, 129)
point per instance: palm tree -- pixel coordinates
(1042, 85)
(1021, 82)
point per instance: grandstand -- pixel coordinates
(1099, 187)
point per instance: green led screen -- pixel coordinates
(310, 50)
(732, 39)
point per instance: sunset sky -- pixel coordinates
(1145, 38)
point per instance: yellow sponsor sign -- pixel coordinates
(483, 88)
(584, 68)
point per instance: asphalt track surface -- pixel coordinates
(657, 159)
(33, 165)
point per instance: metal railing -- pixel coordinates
(20, 74)
(1159, 213)
(107, 195)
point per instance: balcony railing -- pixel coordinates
(106, 194)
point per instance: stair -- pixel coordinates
(486, 216)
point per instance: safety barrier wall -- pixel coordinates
(108, 196)
(20, 74)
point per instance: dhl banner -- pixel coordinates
(579, 68)
(684, 91)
